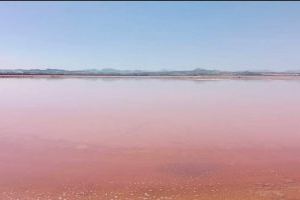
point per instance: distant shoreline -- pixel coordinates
(196, 77)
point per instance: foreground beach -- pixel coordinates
(141, 138)
(154, 174)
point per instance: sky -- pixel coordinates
(150, 35)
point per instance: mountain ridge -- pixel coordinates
(118, 72)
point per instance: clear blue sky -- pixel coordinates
(150, 35)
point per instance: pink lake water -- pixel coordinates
(144, 138)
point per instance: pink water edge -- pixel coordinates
(141, 138)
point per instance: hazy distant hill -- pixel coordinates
(116, 72)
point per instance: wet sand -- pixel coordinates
(149, 139)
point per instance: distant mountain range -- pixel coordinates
(116, 72)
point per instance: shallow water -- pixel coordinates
(118, 138)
